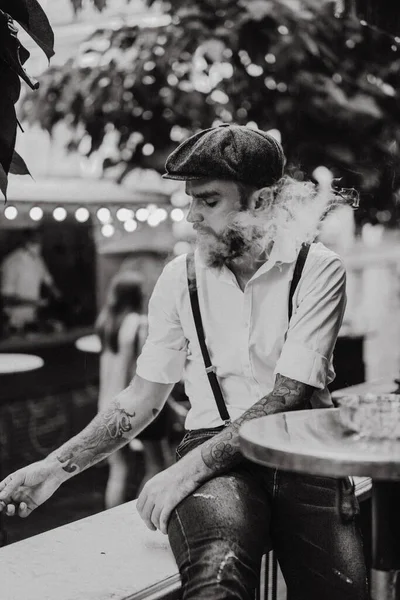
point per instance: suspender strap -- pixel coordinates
(194, 301)
(298, 270)
(210, 369)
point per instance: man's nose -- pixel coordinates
(194, 215)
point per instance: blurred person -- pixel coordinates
(220, 510)
(23, 275)
(122, 329)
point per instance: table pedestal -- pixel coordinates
(385, 574)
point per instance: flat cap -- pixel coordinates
(228, 151)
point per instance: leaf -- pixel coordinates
(18, 165)
(10, 51)
(3, 182)
(258, 9)
(31, 16)
(100, 4)
(10, 85)
(309, 43)
(17, 9)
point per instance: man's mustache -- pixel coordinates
(205, 229)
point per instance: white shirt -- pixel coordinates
(247, 332)
(22, 276)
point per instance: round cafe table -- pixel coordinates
(316, 442)
(19, 363)
(89, 343)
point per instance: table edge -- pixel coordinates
(307, 463)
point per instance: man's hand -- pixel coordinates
(218, 455)
(166, 490)
(26, 489)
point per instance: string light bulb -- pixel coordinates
(130, 225)
(59, 214)
(142, 214)
(10, 213)
(108, 230)
(82, 214)
(103, 215)
(123, 214)
(36, 213)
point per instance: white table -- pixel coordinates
(316, 442)
(19, 363)
(89, 343)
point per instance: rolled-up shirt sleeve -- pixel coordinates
(164, 354)
(307, 351)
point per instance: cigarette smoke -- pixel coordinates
(294, 209)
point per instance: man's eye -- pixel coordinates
(210, 203)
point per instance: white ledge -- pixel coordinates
(108, 556)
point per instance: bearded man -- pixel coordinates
(221, 511)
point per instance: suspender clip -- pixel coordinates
(227, 422)
(211, 369)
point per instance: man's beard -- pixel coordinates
(235, 242)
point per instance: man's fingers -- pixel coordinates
(10, 510)
(13, 496)
(164, 519)
(8, 485)
(145, 512)
(155, 515)
(141, 501)
(145, 506)
(24, 510)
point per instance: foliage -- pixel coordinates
(328, 85)
(384, 14)
(100, 5)
(29, 14)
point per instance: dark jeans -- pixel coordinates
(220, 532)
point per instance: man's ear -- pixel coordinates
(262, 198)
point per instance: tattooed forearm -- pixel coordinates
(222, 452)
(106, 433)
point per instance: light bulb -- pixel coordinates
(82, 214)
(59, 214)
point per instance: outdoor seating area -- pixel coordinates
(199, 300)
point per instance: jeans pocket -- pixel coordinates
(194, 438)
(320, 481)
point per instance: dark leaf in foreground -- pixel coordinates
(18, 165)
(3, 182)
(31, 16)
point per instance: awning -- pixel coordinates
(78, 191)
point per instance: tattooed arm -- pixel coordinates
(130, 412)
(222, 452)
(167, 489)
